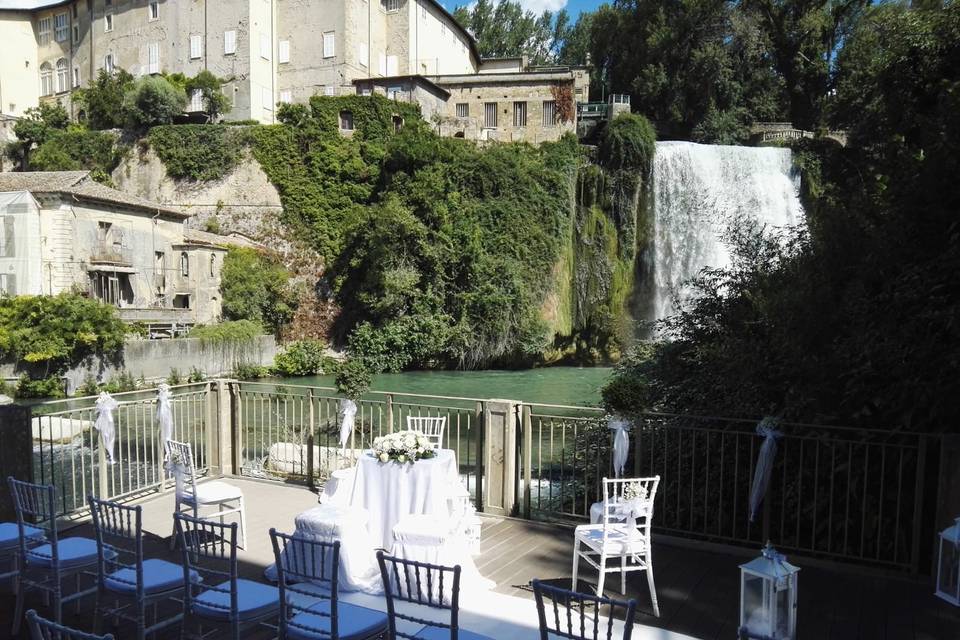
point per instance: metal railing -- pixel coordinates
(68, 455)
(840, 493)
(294, 431)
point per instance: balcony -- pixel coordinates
(111, 255)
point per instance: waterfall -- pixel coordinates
(699, 192)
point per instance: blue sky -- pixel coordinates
(573, 7)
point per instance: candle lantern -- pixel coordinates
(768, 597)
(948, 566)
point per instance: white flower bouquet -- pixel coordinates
(634, 491)
(402, 446)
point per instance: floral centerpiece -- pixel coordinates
(402, 446)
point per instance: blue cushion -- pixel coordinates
(443, 633)
(74, 552)
(254, 599)
(158, 576)
(10, 534)
(353, 622)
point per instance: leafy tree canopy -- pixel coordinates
(256, 288)
(152, 100)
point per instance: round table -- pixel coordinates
(391, 490)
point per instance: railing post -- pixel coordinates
(310, 441)
(500, 451)
(103, 491)
(390, 413)
(918, 505)
(212, 450)
(16, 454)
(227, 428)
(527, 427)
(478, 449)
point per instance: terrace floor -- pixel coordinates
(698, 588)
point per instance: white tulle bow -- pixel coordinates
(621, 444)
(104, 424)
(765, 460)
(348, 412)
(165, 417)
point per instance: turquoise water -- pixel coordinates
(550, 385)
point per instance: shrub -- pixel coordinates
(78, 149)
(628, 142)
(175, 377)
(302, 358)
(198, 152)
(255, 287)
(89, 387)
(102, 102)
(196, 375)
(152, 100)
(51, 387)
(236, 333)
(244, 371)
(353, 379)
(121, 382)
(215, 102)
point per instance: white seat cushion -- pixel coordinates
(621, 539)
(213, 493)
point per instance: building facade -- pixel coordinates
(268, 51)
(61, 231)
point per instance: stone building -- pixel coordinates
(274, 51)
(62, 231)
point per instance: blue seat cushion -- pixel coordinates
(74, 552)
(254, 599)
(158, 576)
(353, 622)
(443, 633)
(10, 534)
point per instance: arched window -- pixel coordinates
(46, 79)
(63, 75)
(184, 264)
(213, 264)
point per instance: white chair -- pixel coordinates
(227, 498)
(432, 427)
(624, 533)
(434, 539)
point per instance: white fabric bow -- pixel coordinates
(348, 412)
(165, 417)
(104, 424)
(765, 460)
(621, 444)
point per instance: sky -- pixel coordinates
(573, 7)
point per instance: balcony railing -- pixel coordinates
(111, 254)
(839, 493)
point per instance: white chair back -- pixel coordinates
(180, 454)
(430, 426)
(618, 492)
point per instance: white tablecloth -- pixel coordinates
(358, 564)
(391, 490)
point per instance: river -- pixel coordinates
(550, 385)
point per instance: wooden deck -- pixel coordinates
(697, 588)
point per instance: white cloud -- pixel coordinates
(539, 6)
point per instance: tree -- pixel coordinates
(102, 102)
(504, 29)
(152, 100)
(37, 125)
(257, 288)
(215, 103)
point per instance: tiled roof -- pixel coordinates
(81, 186)
(28, 5)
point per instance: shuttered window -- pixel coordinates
(549, 113)
(364, 54)
(61, 24)
(196, 46)
(329, 44)
(463, 109)
(44, 27)
(283, 52)
(196, 100)
(7, 246)
(519, 114)
(264, 46)
(490, 114)
(286, 96)
(229, 43)
(153, 57)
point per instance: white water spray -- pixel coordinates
(699, 192)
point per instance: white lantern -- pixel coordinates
(768, 597)
(948, 567)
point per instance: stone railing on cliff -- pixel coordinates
(761, 132)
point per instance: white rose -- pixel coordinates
(420, 450)
(401, 458)
(384, 457)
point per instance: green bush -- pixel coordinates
(353, 379)
(627, 142)
(77, 149)
(196, 375)
(121, 382)
(234, 332)
(51, 387)
(152, 100)
(256, 288)
(244, 371)
(102, 102)
(198, 152)
(89, 387)
(302, 358)
(175, 377)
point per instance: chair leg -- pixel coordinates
(603, 574)
(18, 610)
(576, 564)
(653, 588)
(97, 614)
(58, 607)
(243, 525)
(173, 534)
(623, 575)
(77, 607)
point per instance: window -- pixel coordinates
(76, 77)
(154, 11)
(76, 33)
(153, 57)
(392, 65)
(395, 93)
(181, 301)
(196, 46)
(7, 245)
(213, 265)
(108, 22)
(108, 64)
(8, 284)
(329, 44)
(63, 75)
(329, 90)
(61, 26)
(549, 113)
(283, 55)
(286, 96)
(390, 5)
(443, 29)
(397, 123)
(346, 120)
(229, 43)
(184, 264)
(46, 79)
(490, 114)
(266, 99)
(364, 54)
(519, 114)
(264, 46)
(463, 109)
(196, 101)
(44, 27)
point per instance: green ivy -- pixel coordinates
(199, 152)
